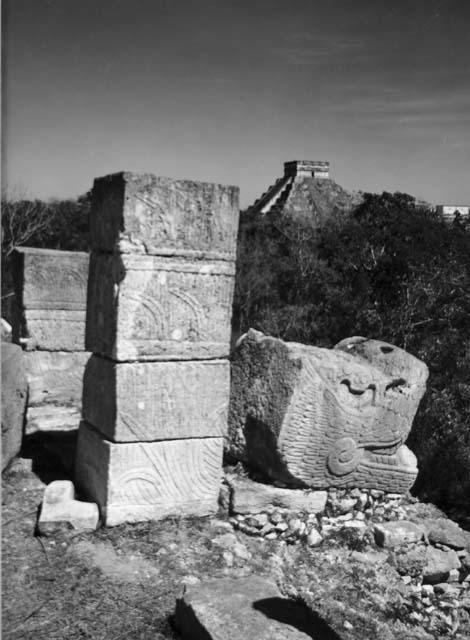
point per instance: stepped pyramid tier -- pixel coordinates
(305, 190)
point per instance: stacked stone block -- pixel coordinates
(50, 291)
(156, 389)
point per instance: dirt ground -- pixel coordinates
(117, 583)
(123, 582)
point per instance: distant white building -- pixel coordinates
(449, 211)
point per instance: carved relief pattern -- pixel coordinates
(345, 422)
(56, 330)
(169, 472)
(54, 281)
(339, 430)
(172, 401)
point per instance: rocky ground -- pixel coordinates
(367, 564)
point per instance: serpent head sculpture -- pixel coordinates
(327, 417)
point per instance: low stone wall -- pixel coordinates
(51, 294)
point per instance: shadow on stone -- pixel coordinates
(298, 615)
(52, 454)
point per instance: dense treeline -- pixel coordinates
(391, 270)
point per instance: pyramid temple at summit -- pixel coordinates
(305, 190)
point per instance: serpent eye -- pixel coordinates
(386, 349)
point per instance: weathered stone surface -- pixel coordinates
(408, 374)
(150, 308)
(248, 496)
(241, 608)
(60, 510)
(410, 560)
(323, 417)
(447, 532)
(54, 330)
(51, 294)
(51, 279)
(142, 401)
(439, 564)
(14, 393)
(55, 377)
(142, 213)
(396, 533)
(142, 481)
(52, 417)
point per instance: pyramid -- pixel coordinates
(305, 191)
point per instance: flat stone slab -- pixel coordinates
(145, 401)
(55, 377)
(139, 481)
(143, 213)
(397, 533)
(248, 496)
(52, 417)
(60, 510)
(242, 608)
(152, 308)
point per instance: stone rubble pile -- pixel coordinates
(350, 510)
(431, 554)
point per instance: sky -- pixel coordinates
(228, 90)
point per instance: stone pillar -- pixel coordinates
(156, 389)
(50, 293)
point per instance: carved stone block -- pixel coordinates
(51, 294)
(324, 417)
(50, 279)
(151, 308)
(132, 402)
(55, 377)
(54, 330)
(143, 481)
(142, 213)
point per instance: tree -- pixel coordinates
(22, 220)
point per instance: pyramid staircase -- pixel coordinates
(275, 196)
(273, 200)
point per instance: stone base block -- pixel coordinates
(54, 330)
(55, 377)
(146, 401)
(132, 482)
(61, 511)
(52, 417)
(248, 496)
(149, 308)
